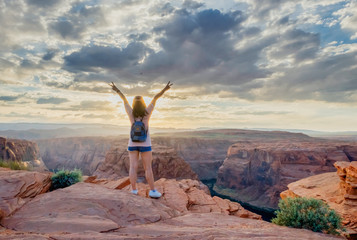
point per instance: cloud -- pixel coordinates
(251, 50)
(193, 43)
(81, 18)
(51, 100)
(10, 98)
(49, 55)
(88, 105)
(263, 9)
(348, 18)
(93, 57)
(67, 29)
(331, 79)
(43, 3)
(162, 9)
(100, 116)
(190, 4)
(297, 45)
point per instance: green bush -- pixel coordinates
(14, 165)
(308, 213)
(65, 178)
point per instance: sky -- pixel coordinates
(233, 64)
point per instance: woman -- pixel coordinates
(139, 112)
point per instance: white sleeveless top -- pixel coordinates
(145, 120)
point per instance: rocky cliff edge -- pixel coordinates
(105, 209)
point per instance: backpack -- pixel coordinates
(138, 132)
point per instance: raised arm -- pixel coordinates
(157, 96)
(119, 92)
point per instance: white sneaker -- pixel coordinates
(134, 192)
(154, 194)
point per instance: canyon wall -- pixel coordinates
(21, 151)
(205, 156)
(257, 172)
(166, 164)
(204, 151)
(85, 153)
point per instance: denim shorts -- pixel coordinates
(140, 149)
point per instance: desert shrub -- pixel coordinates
(308, 213)
(65, 178)
(14, 165)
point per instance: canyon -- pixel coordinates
(251, 167)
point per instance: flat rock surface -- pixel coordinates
(188, 227)
(86, 207)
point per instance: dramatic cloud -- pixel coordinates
(90, 58)
(222, 53)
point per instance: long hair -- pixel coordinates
(139, 107)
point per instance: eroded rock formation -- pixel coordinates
(256, 173)
(21, 151)
(185, 195)
(338, 190)
(19, 187)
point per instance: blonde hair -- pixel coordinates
(139, 107)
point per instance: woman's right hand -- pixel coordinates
(114, 87)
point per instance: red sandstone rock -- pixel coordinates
(257, 172)
(166, 164)
(95, 211)
(189, 195)
(86, 207)
(188, 227)
(327, 187)
(112, 184)
(18, 187)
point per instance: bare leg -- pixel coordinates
(134, 158)
(147, 162)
